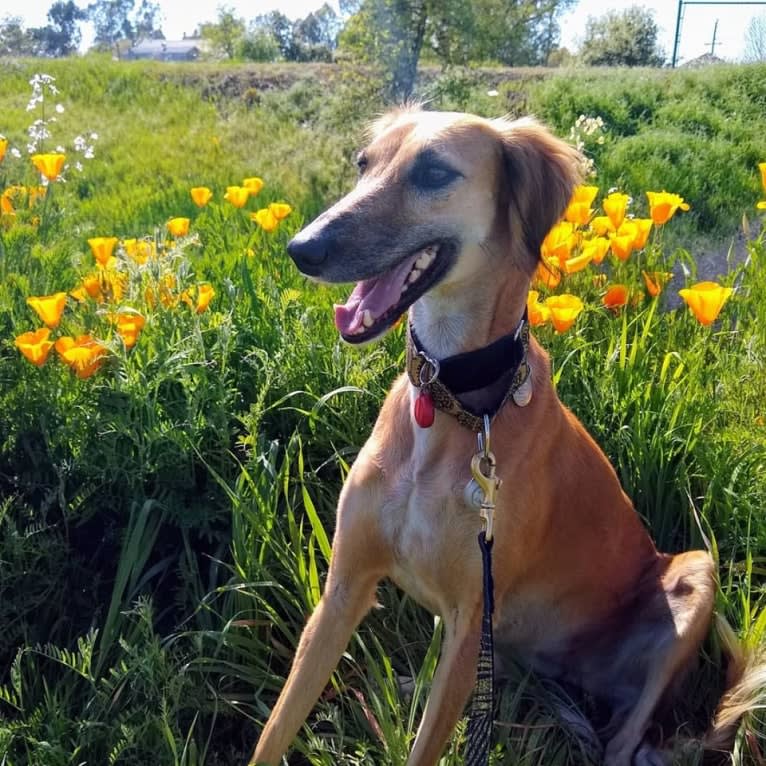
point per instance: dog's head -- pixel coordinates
(439, 196)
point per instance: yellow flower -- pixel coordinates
(578, 263)
(537, 313)
(616, 297)
(6, 205)
(641, 227)
(761, 205)
(762, 168)
(49, 307)
(622, 245)
(253, 185)
(547, 273)
(35, 346)
(35, 193)
(564, 310)
(201, 195)
(129, 325)
(579, 208)
(83, 354)
(615, 206)
(655, 281)
(237, 195)
(559, 242)
(601, 225)
(139, 250)
(49, 165)
(102, 249)
(3, 148)
(596, 249)
(663, 205)
(205, 294)
(179, 227)
(706, 299)
(265, 219)
(280, 210)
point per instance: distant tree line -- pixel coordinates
(392, 35)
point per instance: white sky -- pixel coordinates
(182, 16)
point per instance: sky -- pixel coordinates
(181, 17)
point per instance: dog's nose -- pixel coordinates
(309, 253)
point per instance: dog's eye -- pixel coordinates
(433, 176)
(361, 163)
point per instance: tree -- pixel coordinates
(755, 39)
(392, 33)
(62, 36)
(15, 40)
(117, 20)
(622, 38)
(227, 34)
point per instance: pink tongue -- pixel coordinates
(374, 295)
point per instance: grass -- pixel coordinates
(165, 524)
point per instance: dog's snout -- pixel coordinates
(309, 253)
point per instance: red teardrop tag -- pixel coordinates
(424, 409)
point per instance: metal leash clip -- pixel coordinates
(483, 466)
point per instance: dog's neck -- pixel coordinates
(457, 318)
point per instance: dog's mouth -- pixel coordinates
(376, 304)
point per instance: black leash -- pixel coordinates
(479, 734)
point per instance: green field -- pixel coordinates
(165, 514)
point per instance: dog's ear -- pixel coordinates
(541, 172)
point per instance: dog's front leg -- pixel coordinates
(454, 678)
(359, 560)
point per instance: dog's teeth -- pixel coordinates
(367, 319)
(424, 261)
(413, 275)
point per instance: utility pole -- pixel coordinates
(715, 32)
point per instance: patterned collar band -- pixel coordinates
(441, 381)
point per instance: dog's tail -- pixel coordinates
(745, 688)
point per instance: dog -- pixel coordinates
(446, 222)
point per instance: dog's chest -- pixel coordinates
(432, 534)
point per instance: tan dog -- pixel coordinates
(447, 220)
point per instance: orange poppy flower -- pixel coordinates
(622, 246)
(237, 195)
(253, 185)
(616, 297)
(564, 310)
(201, 195)
(641, 228)
(49, 307)
(601, 225)
(579, 208)
(706, 299)
(280, 210)
(50, 165)
(663, 205)
(35, 346)
(762, 168)
(205, 294)
(547, 273)
(129, 326)
(615, 206)
(102, 249)
(655, 281)
(578, 263)
(3, 148)
(265, 219)
(84, 354)
(537, 313)
(179, 227)
(596, 248)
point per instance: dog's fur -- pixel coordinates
(581, 593)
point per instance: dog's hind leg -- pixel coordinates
(452, 684)
(674, 622)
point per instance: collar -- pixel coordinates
(445, 379)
